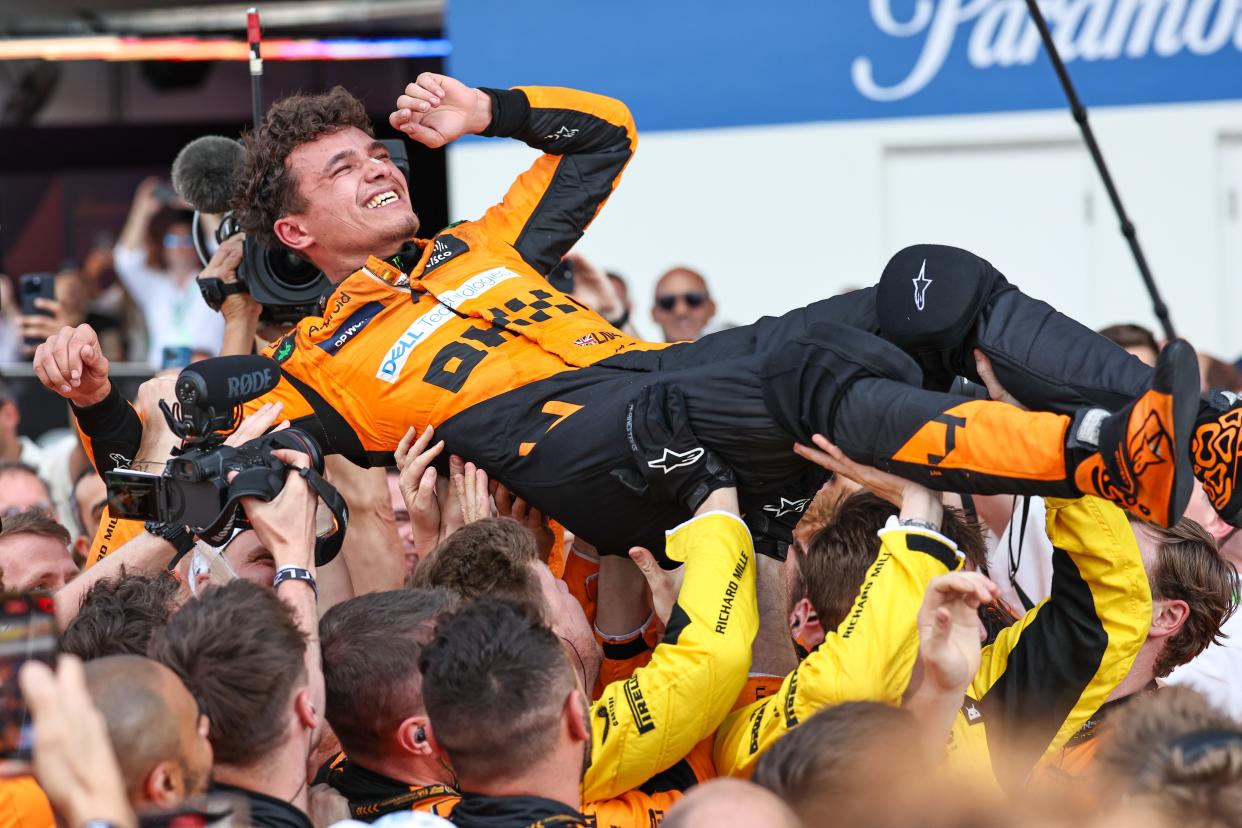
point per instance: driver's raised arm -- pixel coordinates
(587, 140)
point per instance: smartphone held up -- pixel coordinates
(27, 633)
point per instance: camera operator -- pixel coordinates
(239, 311)
(252, 660)
(125, 547)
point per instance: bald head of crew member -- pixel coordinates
(725, 801)
(159, 737)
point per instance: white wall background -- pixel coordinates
(829, 203)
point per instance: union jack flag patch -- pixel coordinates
(584, 341)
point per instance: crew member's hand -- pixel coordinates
(327, 806)
(665, 584)
(162, 387)
(672, 463)
(257, 423)
(286, 523)
(914, 500)
(73, 758)
(72, 364)
(158, 440)
(996, 391)
(436, 110)
(37, 326)
(949, 629)
(511, 506)
(593, 288)
(240, 307)
(470, 492)
(417, 481)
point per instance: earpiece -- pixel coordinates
(420, 735)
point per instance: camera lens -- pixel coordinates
(290, 269)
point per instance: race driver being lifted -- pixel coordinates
(463, 333)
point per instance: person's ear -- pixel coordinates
(434, 747)
(292, 233)
(304, 708)
(1168, 617)
(415, 737)
(711, 307)
(163, 787)
(82, 547)
(804, 624)
(575, 716)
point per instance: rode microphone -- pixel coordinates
(210, 393)
(205, 172)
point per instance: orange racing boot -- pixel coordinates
(1216, 454)
(1141, 458)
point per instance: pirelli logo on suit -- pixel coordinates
(638, 706)
(756, 723)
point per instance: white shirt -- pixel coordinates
(1217, 671)
(176, 315)
(51, 462)
(1029, 552)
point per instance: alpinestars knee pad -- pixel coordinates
(928, 302)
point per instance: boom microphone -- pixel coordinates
(205, 172)
(223, 383)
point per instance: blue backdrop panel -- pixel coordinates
(689, 64)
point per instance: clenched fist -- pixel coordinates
(71, 363)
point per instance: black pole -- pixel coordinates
(1080, 117)
(254, 36)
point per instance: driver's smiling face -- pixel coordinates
(356, 201)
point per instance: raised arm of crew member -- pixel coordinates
(650, 721)
(286, 525)
(950, 644)
(872, 654)
(1046, 675)
(240, 310)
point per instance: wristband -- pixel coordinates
(178, 536)
(216, 290)
(295, 573)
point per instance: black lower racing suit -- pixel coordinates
(753, 390)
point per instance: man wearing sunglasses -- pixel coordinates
(683, 307)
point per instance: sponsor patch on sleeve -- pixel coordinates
(350, 327)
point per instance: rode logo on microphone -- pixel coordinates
(247, 385)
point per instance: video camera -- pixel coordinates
(194, 489)
(205, 174)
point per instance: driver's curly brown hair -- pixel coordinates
(268, 190)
